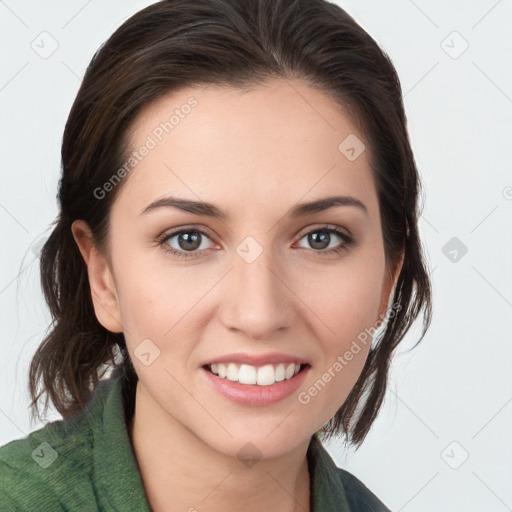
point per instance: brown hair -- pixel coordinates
(177, 43)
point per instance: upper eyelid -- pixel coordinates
(326, 227)
(172, 233)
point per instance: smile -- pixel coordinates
(259, 375)
(250, 385)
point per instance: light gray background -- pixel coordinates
(450, 398)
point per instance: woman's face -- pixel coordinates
(254, 285)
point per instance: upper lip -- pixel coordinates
(256, 360)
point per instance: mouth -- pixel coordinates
(249, 375)
(255, 386)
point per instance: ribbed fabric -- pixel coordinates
(86, 463)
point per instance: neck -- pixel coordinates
(182, 473)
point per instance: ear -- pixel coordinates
(390, 281)
(101, 278)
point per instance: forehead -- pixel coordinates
(277, 143)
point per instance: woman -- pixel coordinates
(238, 219)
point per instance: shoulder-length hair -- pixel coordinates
(173, 44)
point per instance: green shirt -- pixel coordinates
(87, 463)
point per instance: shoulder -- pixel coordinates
(84, 462)
(51, 468)
(52, 462)
(359, 497)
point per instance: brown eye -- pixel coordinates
(189, 241)
(185, 241)
(318, 239)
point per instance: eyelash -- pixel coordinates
(347, 241)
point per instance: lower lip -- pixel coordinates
(253, 395)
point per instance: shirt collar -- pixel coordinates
(328, 493)
(117, 476)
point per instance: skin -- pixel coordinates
(254, 154)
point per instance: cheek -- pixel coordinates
(347, 308)
(148, 291)
(346, 301)
(146, 301)
(346, 305)
(158, 303)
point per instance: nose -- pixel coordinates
(258, 299)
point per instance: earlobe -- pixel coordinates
(101, 280)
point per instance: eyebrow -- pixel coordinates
(210, 210)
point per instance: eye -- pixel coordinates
(320, 239)
(186, 241)
(189, 242)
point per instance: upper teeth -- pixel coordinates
(262, 375)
